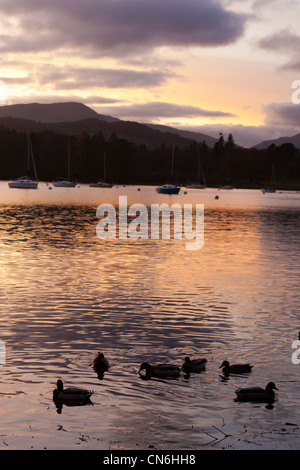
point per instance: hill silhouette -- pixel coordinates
(295, 140)
(52, 112)
(74, 118)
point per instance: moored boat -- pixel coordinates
(101, 184)
(168, 189)
(25, 182)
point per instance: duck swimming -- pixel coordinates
(71, 396)
(257, 394)
(100, 362)
(162, 371)
(194, 365)
(235, 368)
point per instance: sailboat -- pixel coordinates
(200, 171)
(272, 188)
(25, 182)
(169, 188)
(226, 186)
(62, 183)
(102, 183)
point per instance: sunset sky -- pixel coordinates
(206, 65)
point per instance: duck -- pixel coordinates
(162, 371)
(257, 394)
(100, 365)
(235, 368)
(100, 362)
(194, 365)
(71, 396)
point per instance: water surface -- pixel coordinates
(65, 295)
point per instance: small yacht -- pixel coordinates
(101, 184)
(272, 188)
(168, 189)
(268, 190)
(25, 182)
(198, 185)
(66, 183)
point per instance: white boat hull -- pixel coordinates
(23, 184)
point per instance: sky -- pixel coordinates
(204, 65)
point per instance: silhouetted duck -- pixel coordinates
(71, 396)
(100, 362)
(159, 370)
(257, 394)
(100, 365)
(194, 365)
(235, 368)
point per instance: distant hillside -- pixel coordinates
(74, 118)
(295, 140)
(134, 132)
(53, 112)
(197, 136)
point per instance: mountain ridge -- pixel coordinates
(75, 117)
(294, 139)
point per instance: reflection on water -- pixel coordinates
(65, 295)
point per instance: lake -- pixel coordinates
(66, 294)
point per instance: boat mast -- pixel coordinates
(30, 153)
(104, 156)
(200, 169)
(172, 166)
(69, 163)
(273, 180)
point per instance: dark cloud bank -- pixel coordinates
(118, 26)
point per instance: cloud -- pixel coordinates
(82, 78)
(117, 26)
(156, 110)
(293, 64)
(14, 80)
(284, 40)
(281, 4)
(282, 114)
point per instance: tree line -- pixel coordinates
(129, 163)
